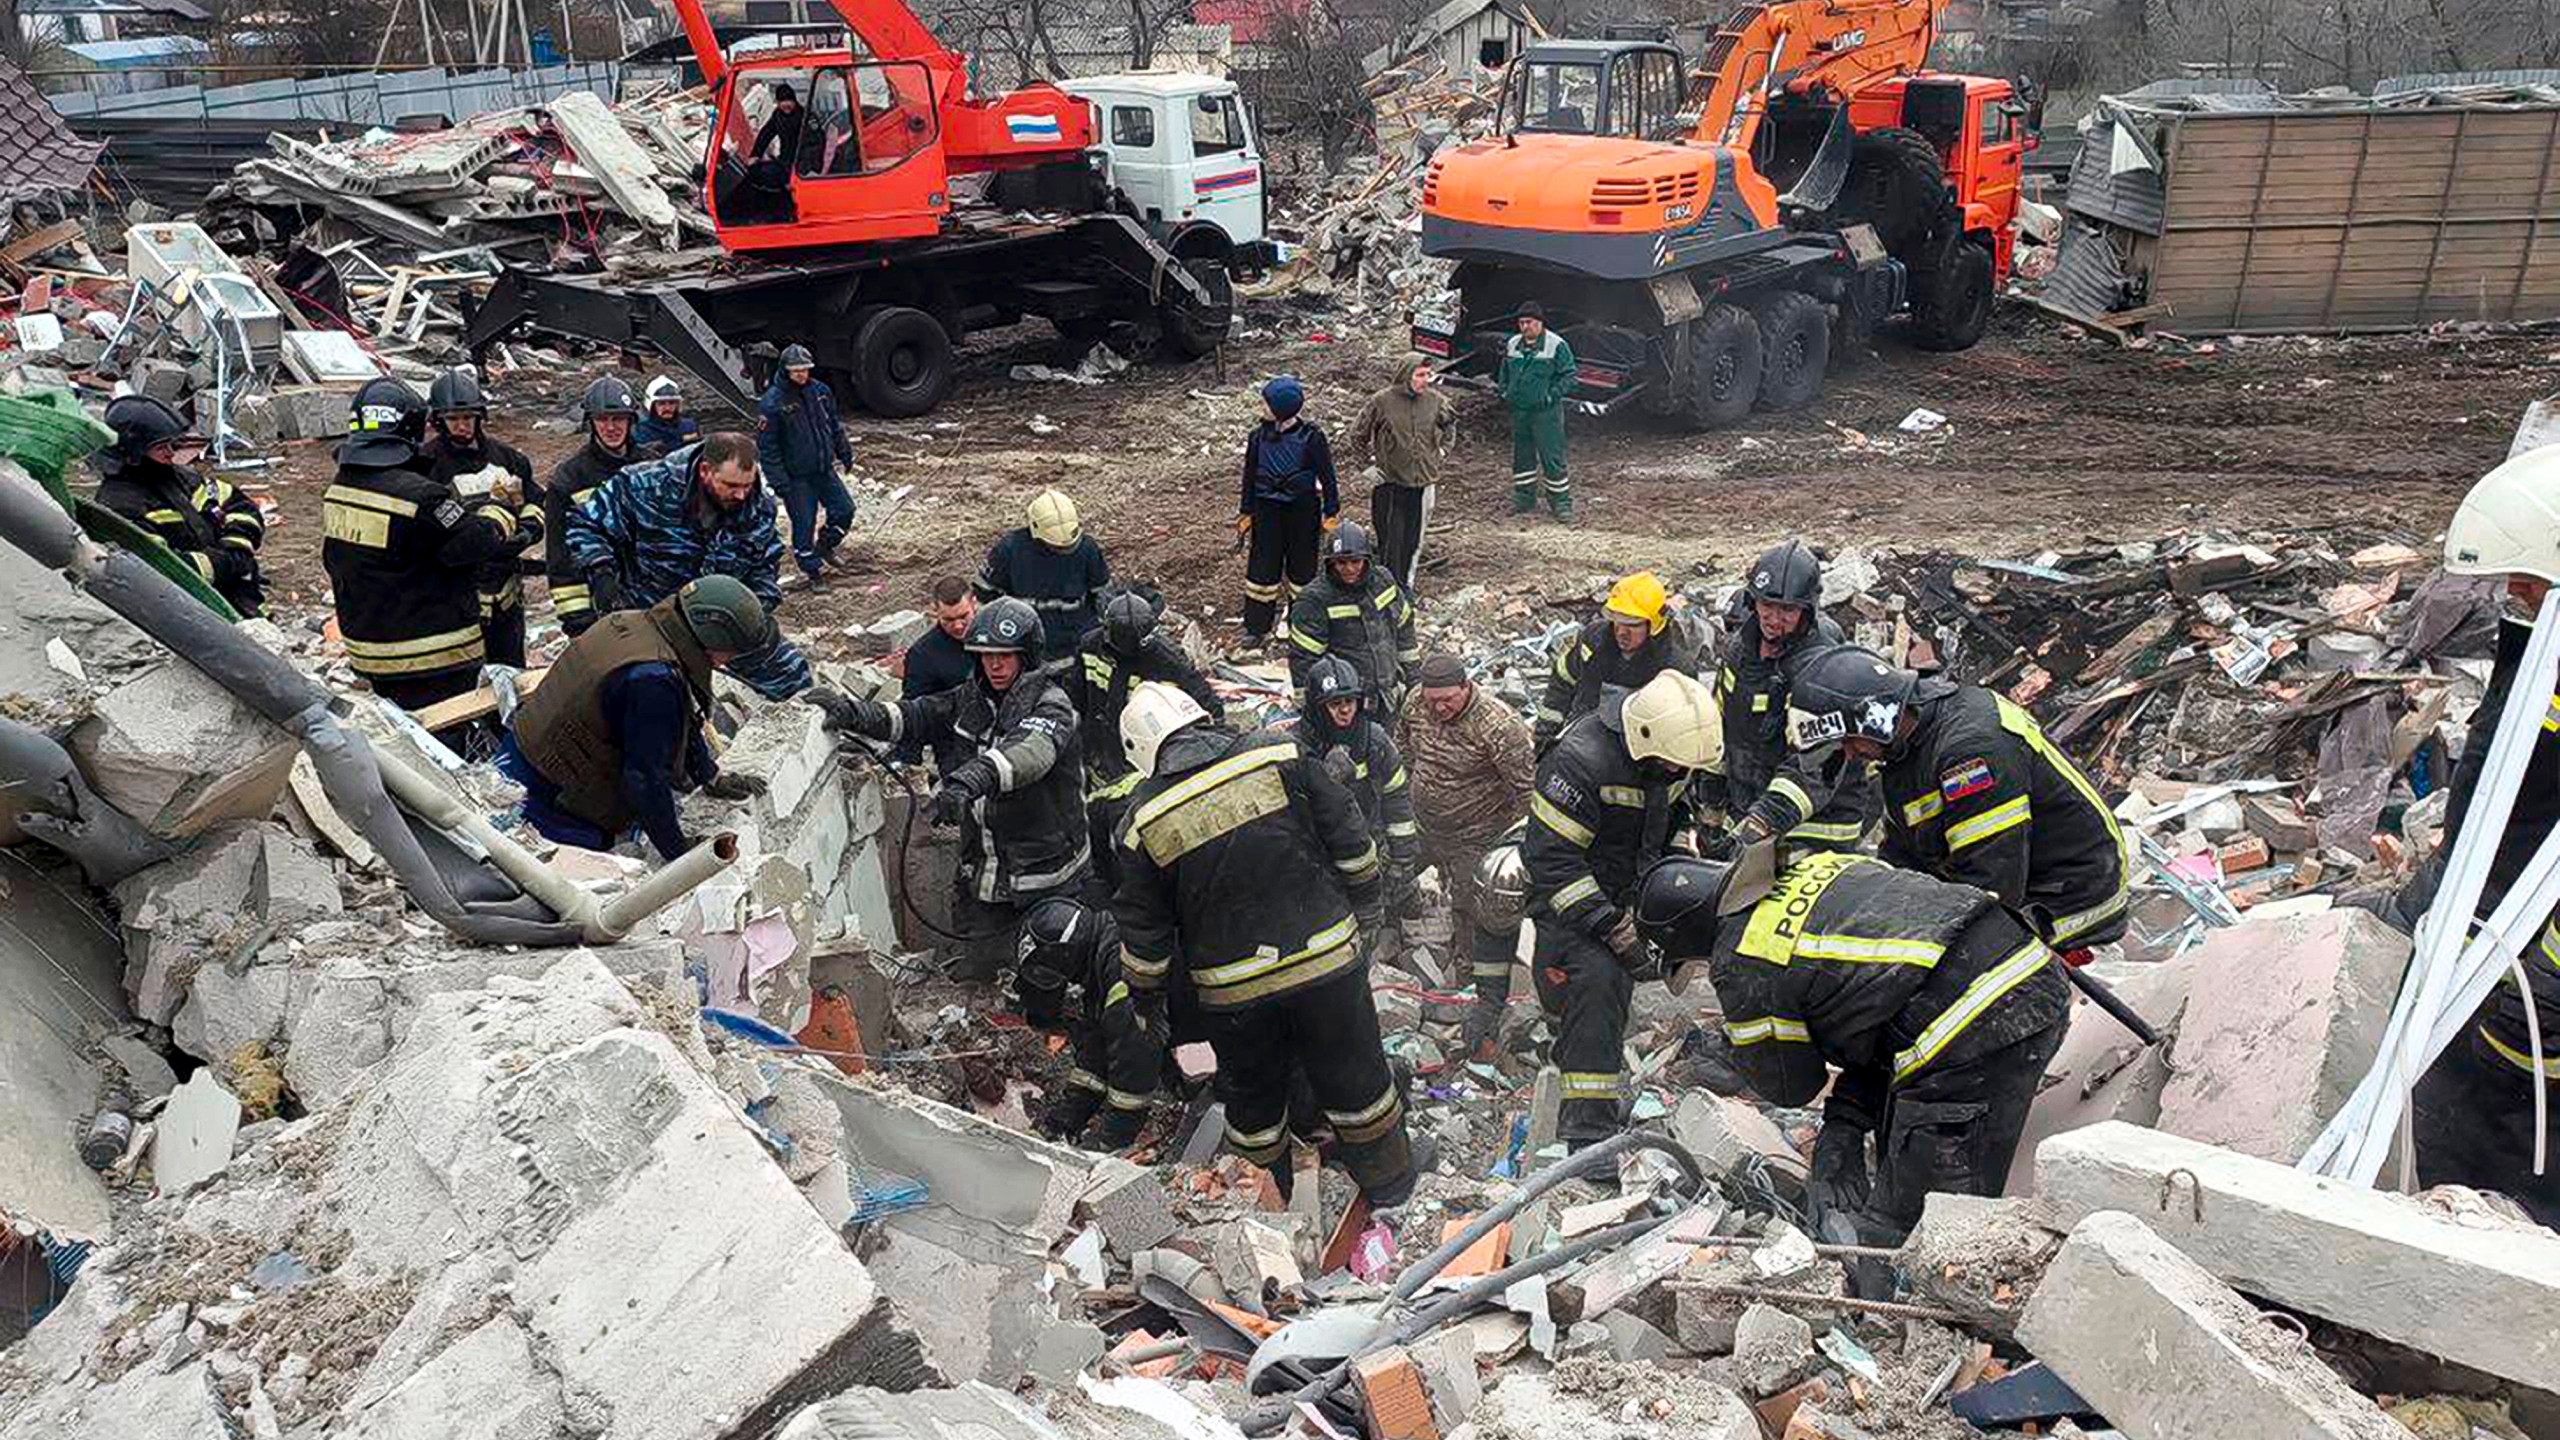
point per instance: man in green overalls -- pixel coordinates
(1537, 375)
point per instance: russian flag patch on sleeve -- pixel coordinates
(1967, 777)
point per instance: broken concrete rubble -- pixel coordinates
(2282, 1021)
(150, 745)
(2381, 1263)
(216, 903)
(1980, 1258)
(537, 1126)
(2162, 1348)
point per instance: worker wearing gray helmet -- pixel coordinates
(801, 444)
(1777, 623)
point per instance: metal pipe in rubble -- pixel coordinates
(1269, 1415)
(350, 770)
(57, 807)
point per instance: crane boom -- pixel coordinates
(1801, 46)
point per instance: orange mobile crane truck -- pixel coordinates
(1697, 237)
(846, 224)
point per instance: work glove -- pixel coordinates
(604, 589)
(1726, 844)
(1114, 1129)
(1244, 530)
(850, 717)
(1634, 956)
(233, 565)
(1839, 1182)
(960, 789)
(1332, 523)
(730, 785)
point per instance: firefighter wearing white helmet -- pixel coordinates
(663, 424)
(1632, 640)
(1253, 870)
(2474, 1119)
(1613, 794)
(1053, 564)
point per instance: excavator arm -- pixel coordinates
(1802, 46)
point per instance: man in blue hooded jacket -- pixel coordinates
(700, 511)
(1288, 502)
(802, 442)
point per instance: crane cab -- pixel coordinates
(818, 148)
(1632, 89)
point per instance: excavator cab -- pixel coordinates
(821, 148)
(1628, 89)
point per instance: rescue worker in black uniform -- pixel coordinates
(1053, 564)
(1937, 1003)
(404, 553)
(1777, 625)
(614, 734)
(1356, 610)
(1973, 792)
(2473, 1112)
(1122, 651)
(206, 521)
(459, 446)
(1333, 730)
(1251, 870)
(1613, 794)
(606, 412)
(1068, 979)
(1632, 641)
(1018, 799)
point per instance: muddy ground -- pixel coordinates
(2052, 439)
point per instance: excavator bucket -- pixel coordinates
(1818, 188)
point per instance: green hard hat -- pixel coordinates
(723, 613)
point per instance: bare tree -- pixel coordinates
(1309, 77)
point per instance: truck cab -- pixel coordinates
(1183, 150)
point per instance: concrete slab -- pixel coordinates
(1980, 1257)
(195, 1132)
(2102, 1072)
(2284, 1018)
(621, 166)
(2488, 1297)
(178, 753)
(2164, 1350)
(60, 970)
(970, 1412)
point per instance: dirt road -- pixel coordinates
(2051, 439)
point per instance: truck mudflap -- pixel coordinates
(657, 318)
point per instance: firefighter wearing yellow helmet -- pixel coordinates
(1631, 641)
(1053, 564)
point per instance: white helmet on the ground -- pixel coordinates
(1673, 719)
(1154, 712)
(660, 388)
(2510, 522)
(1054, 520)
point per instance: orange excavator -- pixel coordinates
(868, 206)
(1699, 236)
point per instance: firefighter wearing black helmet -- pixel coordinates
(403, 552)
(1937, 1003)
(207, 521)
(1067, 976)
(1125, 649)
(1973, 791)
(1776, 625)
(1356, 610)
(1018, 798)
(606, 412)
(1334, 730)
(460, 452)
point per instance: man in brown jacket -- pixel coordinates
(1472, 767)
(1405, 430)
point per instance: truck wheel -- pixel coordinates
(1897, 184)
(902, 362)
(1193, 329)
(1951, 301)
(1724, 366)
(1795, 348)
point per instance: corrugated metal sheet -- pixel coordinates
(2465, 79)
(173, 165)
(2135, 199)
(2087, 278)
